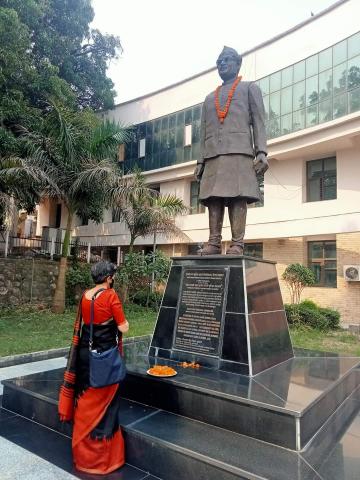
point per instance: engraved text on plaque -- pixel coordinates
(200, 313)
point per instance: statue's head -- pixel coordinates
(228, 64)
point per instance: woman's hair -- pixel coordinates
(101, 270)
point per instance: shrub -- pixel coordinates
(145, 298)
(78, 278)
(333, 317)
(307, 313)
(292, 313)
(297, 277)
(309, 303)
(313, 318)
(140, 271)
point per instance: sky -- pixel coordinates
(166, 41)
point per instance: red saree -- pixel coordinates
(97, 442)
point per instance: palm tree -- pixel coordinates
(68, 144)
(144, 210)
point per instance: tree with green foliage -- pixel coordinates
(297, 277)
(48, 52)
(67, 144)
(138, 273)
(61, 47)
(147, 212)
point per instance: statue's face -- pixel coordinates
(228, 67)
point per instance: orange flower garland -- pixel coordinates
(222, 113)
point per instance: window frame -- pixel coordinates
(321, 180)
(321, 261)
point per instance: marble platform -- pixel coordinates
(298, 420)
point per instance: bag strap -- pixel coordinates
(92, 316)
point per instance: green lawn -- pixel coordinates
(338, 341)
(25, 330)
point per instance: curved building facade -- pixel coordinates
(310, 80)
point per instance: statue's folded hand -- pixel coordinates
(261, 164)
(199, 170)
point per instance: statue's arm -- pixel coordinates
(257, 111)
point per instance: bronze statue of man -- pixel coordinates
(233, 152)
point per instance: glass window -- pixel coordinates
(340, 78)
(197, 112)
(340, 105)
(287, 76)
(312, 95)
(325, 59)
(286, 100)
(353, 76)
(196, 131)
(299, 71)
(253, 250)
(165, 124)
(275, 81)
(298, 120)
(180, 136)
(180, 119)
(325, 84)
(323, 262)
(273, 126)
(286, 124)
(339, 52)
(354, 45)
(325, 111)
(188, 116)
(142, 144)
(195, 205)
(299, 95)
(274, 104)
(312, 116)
(264, 85)
(266, 106)
(354, 100)
(321, 179)
(311, 66)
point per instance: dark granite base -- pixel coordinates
(177, 448)
(310, 405)
(54, 448)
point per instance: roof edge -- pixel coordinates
(327, 10)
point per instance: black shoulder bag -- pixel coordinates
(106, 368)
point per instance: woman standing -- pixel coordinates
(97, 443)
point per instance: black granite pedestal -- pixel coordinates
(224, 312)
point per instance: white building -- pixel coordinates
(310, 79)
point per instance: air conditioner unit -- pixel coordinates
(352, 273)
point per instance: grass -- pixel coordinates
(337, 341)
(24, 330)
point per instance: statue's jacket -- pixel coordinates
(243, 130)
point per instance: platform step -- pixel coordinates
(173, 447)
(51, 447)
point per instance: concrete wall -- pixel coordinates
(24, 281)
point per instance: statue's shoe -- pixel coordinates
(210, 250)
(235, 250)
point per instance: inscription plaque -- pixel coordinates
(200, 313)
